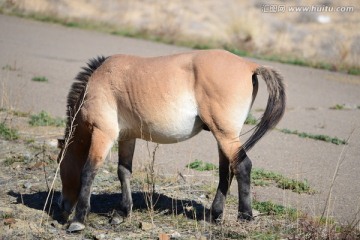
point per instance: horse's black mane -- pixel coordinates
(78, 87)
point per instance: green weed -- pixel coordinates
(40, 79)
(354, 71)
(338, 107)
(9, 67)
(7, 215)
(251, 120)
(29, 140)
(318, 137)
(270, 208)
(8, 133)
(15, 113)
(294, 185)
(20, 158)
(199, 165)
(261, 177)
(44, 119)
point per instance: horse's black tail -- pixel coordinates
(275, 107)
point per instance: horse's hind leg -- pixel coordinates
(242, 170)
(100, 145)
(225, 177)
(126, 153)
(233, 162)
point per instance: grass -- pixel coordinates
(319, 137)
(9, 67)
(40, 79)
(8, 133)
(19, 158)
(354, 71)
(338, 107)
(15, 113)
(344, 107)
(199, 165)
(45, 119)
(270, 208)
(261, 177)
(251, 120)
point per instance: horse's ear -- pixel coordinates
(61, 143)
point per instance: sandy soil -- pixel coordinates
(30, 48)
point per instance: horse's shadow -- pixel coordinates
(104, 204)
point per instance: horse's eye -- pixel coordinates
(61, 143)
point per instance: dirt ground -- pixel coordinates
(30, 49)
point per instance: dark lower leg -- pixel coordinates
(225, 178)
(66, 207)
(70, 172)
(126, 152)
(243, 174)
(83, 204)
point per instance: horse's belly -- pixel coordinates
(169, 121)
(174, 131)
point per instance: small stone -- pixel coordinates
(100, 236)
(117, 220)
(52, 143)
(52, 230)
(27, 157)
(175, 235)
(13, 199)
(27, 185)
(256, 213)
(145, 226)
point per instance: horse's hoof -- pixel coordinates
(245, 217)
(75, 227)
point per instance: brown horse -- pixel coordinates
(165, 100)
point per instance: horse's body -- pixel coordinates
(166, 100)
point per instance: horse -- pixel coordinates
(165, 99)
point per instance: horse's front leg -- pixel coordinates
(126, 153)
(100, 145)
